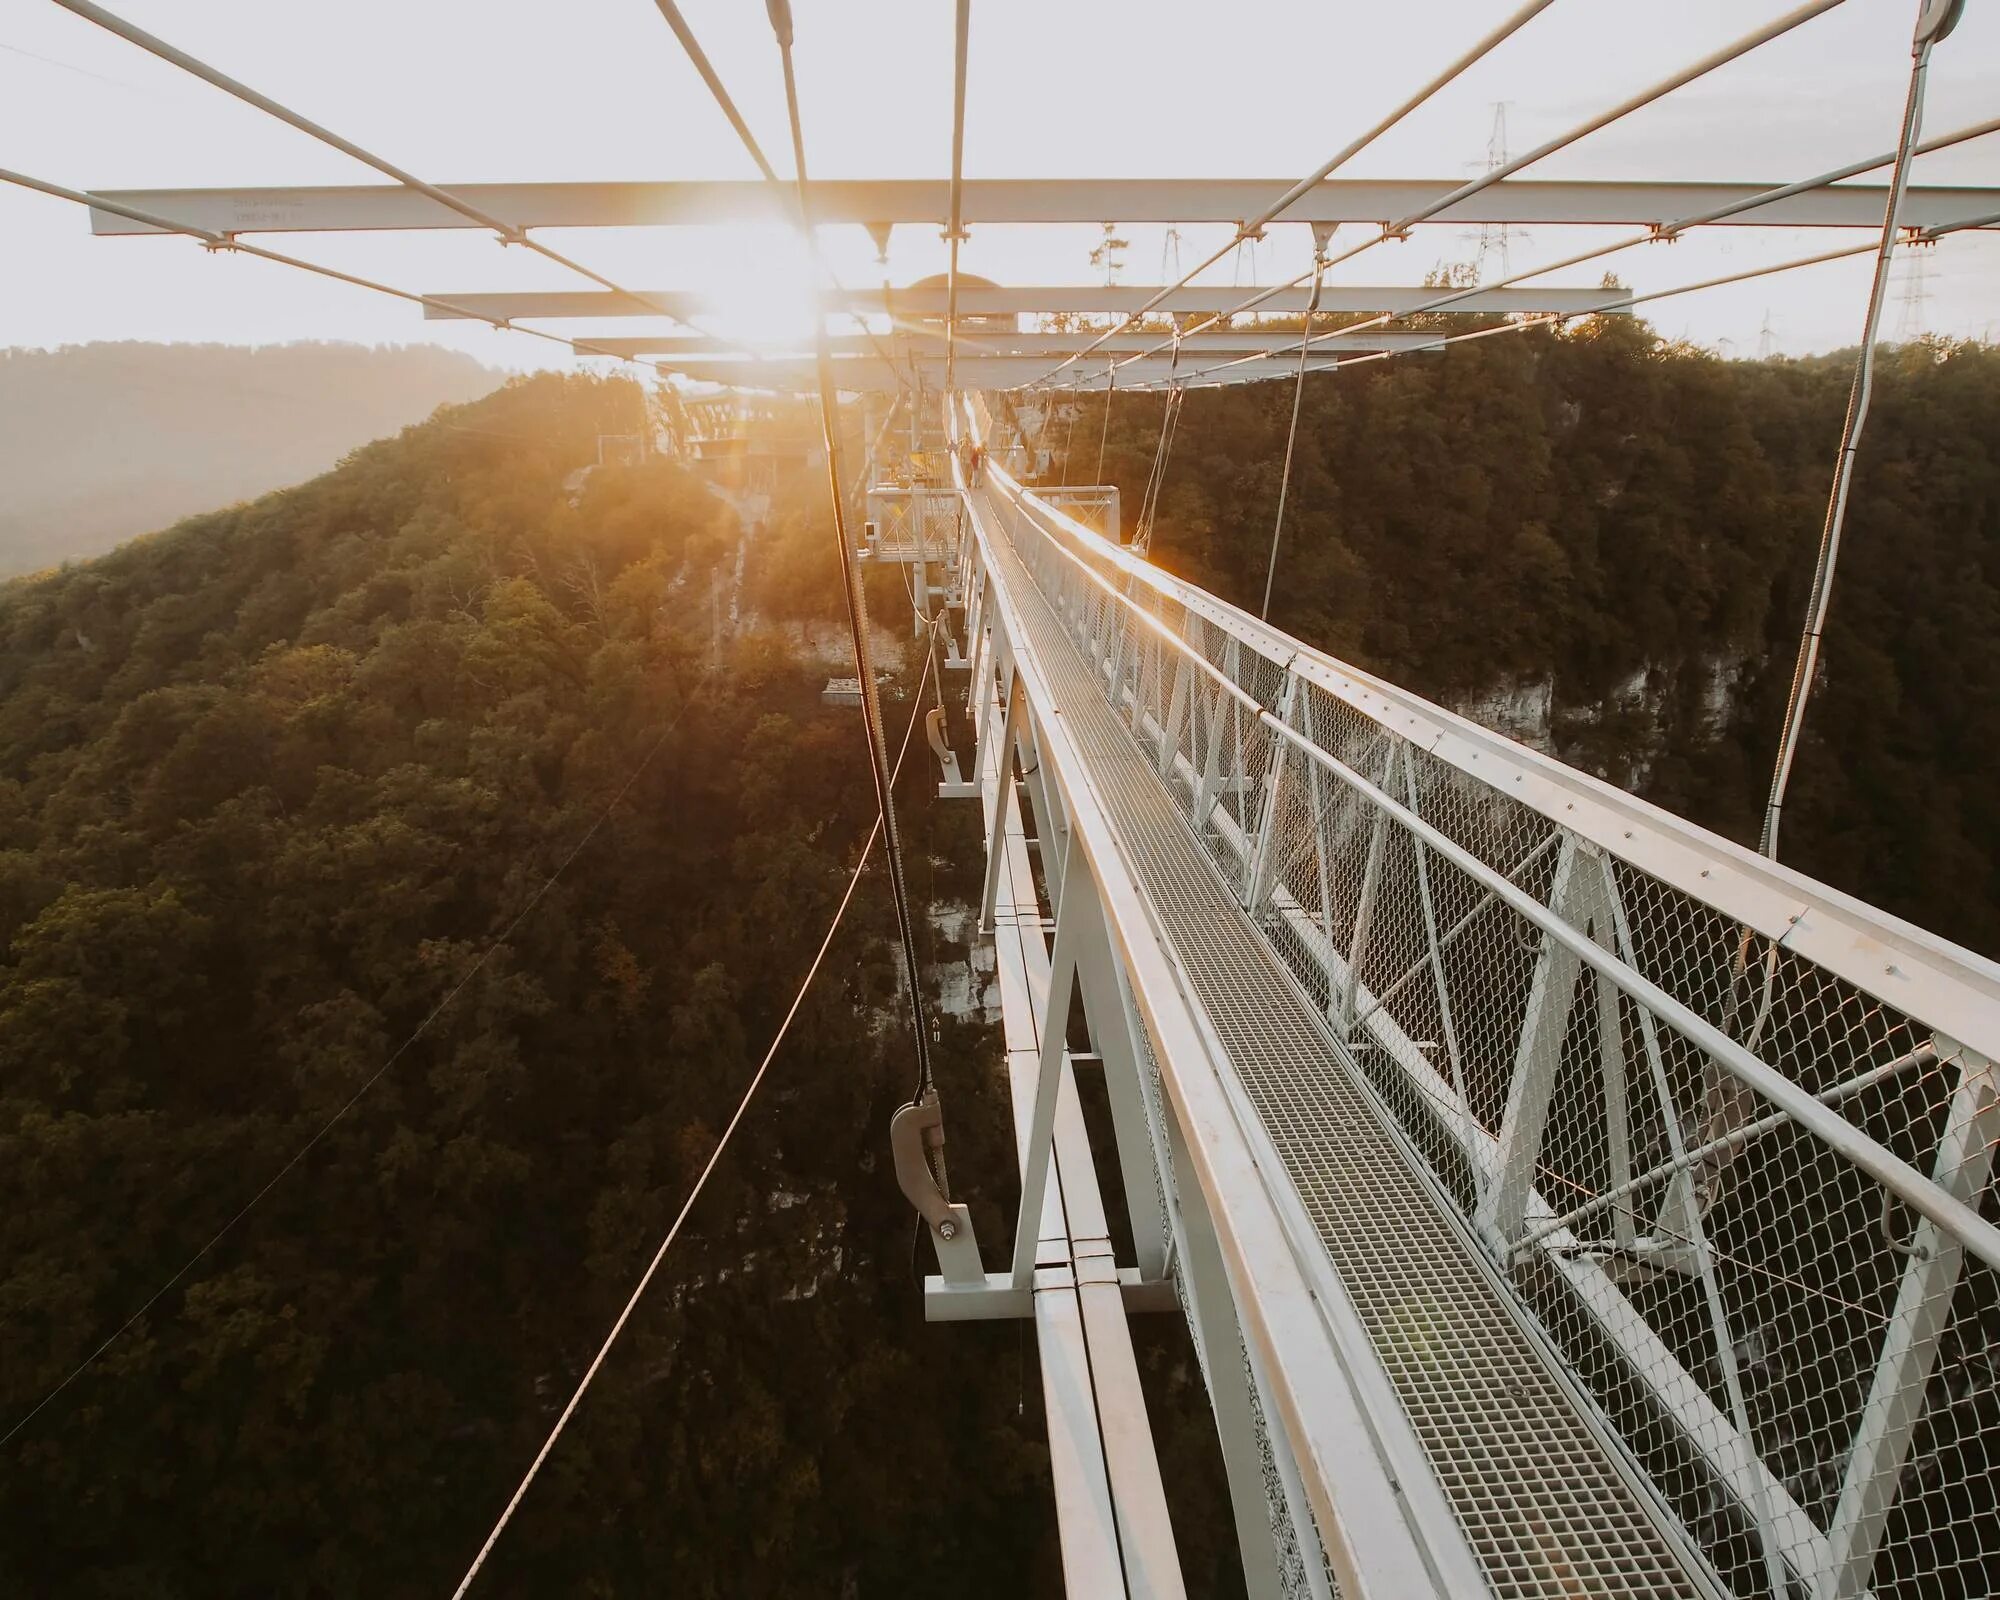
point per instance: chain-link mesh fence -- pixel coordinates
(1741, 1186)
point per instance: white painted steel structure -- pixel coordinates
(977, 300)
(993, 201)
(1560, 1199)
(1639, 1120)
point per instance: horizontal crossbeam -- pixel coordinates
(871, 373)
(369, 207)
(1094, 299)
(1003, 347)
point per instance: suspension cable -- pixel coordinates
(700, 1182)
(219, 242)
(955, 232)
(1104, 433)
(1484, 47)
(1666, 232)
(1142, 537)
(508, 233)
(1916, 236)
(699, 58)
(857, 600)
(1593, 124)
(1935, 19)
(1292, 434)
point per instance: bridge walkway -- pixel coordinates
(1547, 1507)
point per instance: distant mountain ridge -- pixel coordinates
(100, 443)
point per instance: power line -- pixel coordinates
(701, 1182)
(375, 1077)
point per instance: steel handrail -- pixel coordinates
(1961, 1221)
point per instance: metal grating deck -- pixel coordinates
(1542, 1504)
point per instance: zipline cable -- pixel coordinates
(1935, 19)
(780, 12)
(375, 1077)
(701, 1182)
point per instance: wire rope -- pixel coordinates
(1485, 46)
(1104, 433)
(1142, 535)
(507, 232)
(369, 1083)
(700, 1182)
(1928, 235)
(1935, 19)
(780, 12)
(218, 242)
(1291, 436)
(956, 229)
(1400, 228)
(1666, 232)
(720, 93)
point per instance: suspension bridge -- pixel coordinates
(1560, 1199)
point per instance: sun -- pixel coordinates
(761, 290)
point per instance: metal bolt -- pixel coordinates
(947, 1230)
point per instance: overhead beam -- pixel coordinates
(368, 207)
(1002, 346)
(871, 373)
(1011, 300)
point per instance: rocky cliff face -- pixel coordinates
(1663, 709)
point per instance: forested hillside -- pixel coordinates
(1610, 539)
(272, 780)
(103, 442)
(268, 785)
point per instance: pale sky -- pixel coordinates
(490, 90)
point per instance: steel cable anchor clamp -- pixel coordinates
(916, 1142)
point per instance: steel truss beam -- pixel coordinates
(1589, 913)
(1014, 300)
(1116, 1535)
(997, 347)
(1330, 1416)
(869, 373)
(927, 202)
